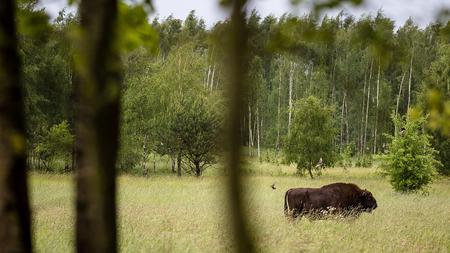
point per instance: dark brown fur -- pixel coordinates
(337, 198)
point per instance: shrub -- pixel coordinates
(410, 162)
(56, 145)
(345, 158)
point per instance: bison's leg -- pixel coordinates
(286, 204)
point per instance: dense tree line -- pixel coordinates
(365, 68)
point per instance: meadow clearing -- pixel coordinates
(164, 213)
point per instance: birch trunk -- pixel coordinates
(375, 136)
(342, 122)
(208, 76)
(333, 78)
(212, 76)
(291, 77)
(277, 146)
(250, 133)
(410, 80)
(346, 123)
(367, 107)
(257, 130)
(399, 93)
(362, 113)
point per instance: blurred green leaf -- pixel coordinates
(134, 29)
(33, 22)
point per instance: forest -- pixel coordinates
(365, 68)
(121, 132)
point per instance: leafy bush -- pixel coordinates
(56, 145)
(345, 159)
(311, 136)
(410, 162)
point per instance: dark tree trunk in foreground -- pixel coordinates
(237, 69)
(15, 234)
(179, 164)
(97, 127)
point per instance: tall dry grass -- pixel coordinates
(169, 214)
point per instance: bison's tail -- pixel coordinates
(286, 203)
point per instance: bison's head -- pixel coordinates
(368, 202)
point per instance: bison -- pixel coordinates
(338, 198)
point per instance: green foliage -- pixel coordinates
(410, 162)
(311, 136)
(134, 30)
(346, 157)
(437, 94)
(33, 22)
(364, 161)
(340, 60)
(56, 145)
(196, 127)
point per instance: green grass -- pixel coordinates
(168, 214)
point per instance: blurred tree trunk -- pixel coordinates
(15, 232)
(237, 70)
(97, 127)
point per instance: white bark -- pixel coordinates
(208, 76)
(250, 134)
(278, 111)
(362, 113)
(346, 123)
(410, 80)
(291, 81)
(257, 130)
(367, 107)
(212, 77)
(342, 122)
(399, 93)
(376, 112)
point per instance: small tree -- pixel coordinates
(198, 126)
(311, 136)
(190, 132)
(410, 162)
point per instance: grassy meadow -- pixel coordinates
(164, 213)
